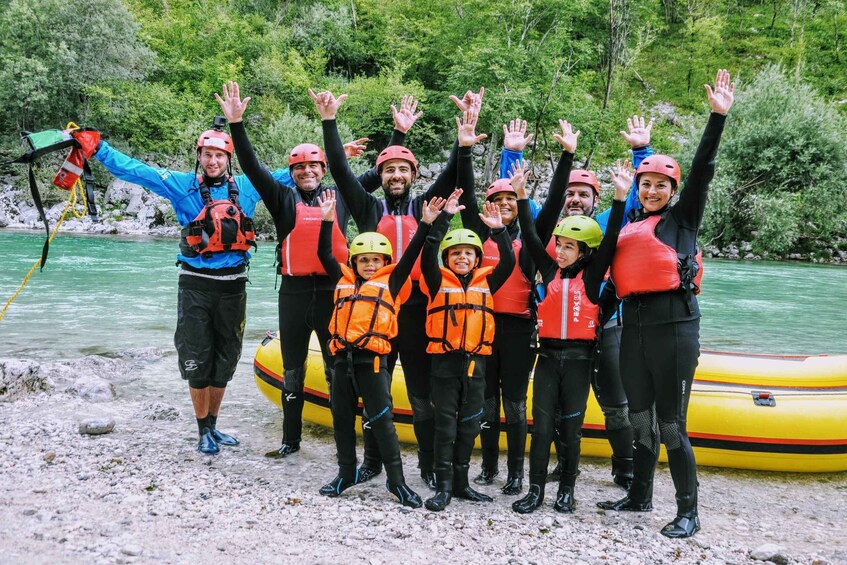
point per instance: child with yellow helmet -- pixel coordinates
(368, 294)
(460, 328)
(568, 319)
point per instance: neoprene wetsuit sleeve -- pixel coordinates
(363, 207)
(546, 220)
(446, 181)
(430, 270)
(277, 197)
(506, 264)
(536, 248)
(601, 259)
(407, 261)
(328, 260)
(371, 179)
(689, 209)
(632, 201)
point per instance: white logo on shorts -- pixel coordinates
(190, 365)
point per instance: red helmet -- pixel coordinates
(582, 176)
(661, 164)
(217, 140)
(305, 153)
(498, 186)
(396, 152)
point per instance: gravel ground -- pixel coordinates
(142, 494)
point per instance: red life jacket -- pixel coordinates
(400, 230)
(459, 319)
(566, 312)
(513, 296)
(643, 263)
(298, 252)
(220, 226)
(365, 317)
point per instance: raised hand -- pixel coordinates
(470, 100)
(405, 117)
(432, 209)
(622, 174)
(722, 97)
(514, 136)
(518, 177)
(452, 205)
(567, 138)
(490, 215)
(355, 148)
(231, 104)
(638, 134)
(467, 129)
(327, 104)
(327, 203)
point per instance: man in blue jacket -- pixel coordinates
(212, 301)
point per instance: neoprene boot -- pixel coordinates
(622, 471)
(372, 461)
(207, 443)
(565, 501)
(443, 493)
(224, 439)
(425, 434)
(489, 439)
(684, 474)
(516, 441)
(639, 497)
(556, 474)
(344, 480)
(397, 486)
(534, 498)
(461, 488)
(292, 416)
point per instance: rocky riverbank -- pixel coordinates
(141, 493)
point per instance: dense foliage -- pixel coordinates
(144, 71)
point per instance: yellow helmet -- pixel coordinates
(580, 228)
(461, 237)
(371, 242)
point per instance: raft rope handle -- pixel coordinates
(73, 199)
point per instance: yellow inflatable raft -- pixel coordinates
(768, 412)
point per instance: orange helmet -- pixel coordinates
(498, 186)
(661, 164)
(396, 152)
(305, 153)
(216, 139)
(582, 176)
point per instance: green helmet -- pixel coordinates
(580, 228)
(461, 237)
(371, 242)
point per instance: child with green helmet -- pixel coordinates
(369, 292)
(568, 319)
(460, 328)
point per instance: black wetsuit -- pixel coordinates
(563, 373)
(512, 358)
(458, 397)
(367, 210)
(305, 302)
(660, 343)
(355, 375)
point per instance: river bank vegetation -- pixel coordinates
(143, 72)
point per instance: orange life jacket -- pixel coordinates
(643, 263)
(365, 315)
(298, 254)
(220, 226)
(400, 230)
(459, 319)
(513, 296)
(566, 312)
